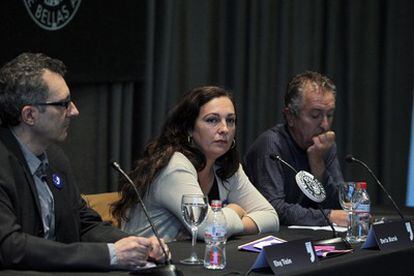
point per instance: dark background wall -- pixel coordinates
(130, 61)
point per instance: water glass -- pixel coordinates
(194, 208)
(346, 191)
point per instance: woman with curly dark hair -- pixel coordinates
(195, 153)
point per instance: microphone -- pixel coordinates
(276, 157)
(350, 159)
(167, 268)
(309, 185)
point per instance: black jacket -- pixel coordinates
(81, 236)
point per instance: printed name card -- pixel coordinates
(390, 236)
(286, 257)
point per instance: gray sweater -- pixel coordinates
(180, 177)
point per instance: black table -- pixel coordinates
(360, 262)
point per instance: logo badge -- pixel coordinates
(52, 15)
(57, 181)
(310, 186)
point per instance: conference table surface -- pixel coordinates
(359, 262)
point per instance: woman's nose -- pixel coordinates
(223, 127)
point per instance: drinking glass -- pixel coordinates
(346, 191)
(194, 209)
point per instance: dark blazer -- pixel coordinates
(81, 236)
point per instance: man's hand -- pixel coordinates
(156, 254)
(321, 145)
(339, 217)
(132, 251)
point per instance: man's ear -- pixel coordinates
(29, 114)
(289, 116)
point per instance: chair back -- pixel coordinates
(101, 203)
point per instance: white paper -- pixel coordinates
(262, 244)
(146, 266)
(318, 228)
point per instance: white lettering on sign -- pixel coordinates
(388, 239)
(52, 15)
(282, 262)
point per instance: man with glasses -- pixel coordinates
(44, 222)
(305, 141)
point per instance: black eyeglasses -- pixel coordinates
(64, 104)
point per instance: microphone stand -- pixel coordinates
(335, 239)
(408, 224)
(167, 269)
(349, 158)
(335, 235)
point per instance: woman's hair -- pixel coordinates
(174, 138)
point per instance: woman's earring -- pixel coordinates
(233, 145)
(189, 139)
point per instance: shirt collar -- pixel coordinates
(32, 160)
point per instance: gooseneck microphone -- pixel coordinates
(350, 159)
(309, 185)
(276, 157)
(168, 268)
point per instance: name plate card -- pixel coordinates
(390, 236)
(286, 257)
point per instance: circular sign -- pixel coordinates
(310, 186)
(52, 15)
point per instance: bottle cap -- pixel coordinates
(216, 203)
(362, 185)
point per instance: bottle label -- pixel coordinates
(362, 208)
(215, 256)
(216, 231)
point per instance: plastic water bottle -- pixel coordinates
(361, 207)
(215, 238)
